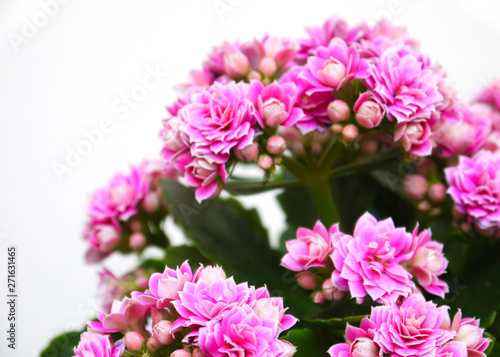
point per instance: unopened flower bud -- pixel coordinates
(153, 345)
(151, 202)
(137, 241)
(307, 280)
(265, 162)
(318, 297)
(332, 73)
(235, 64)
(331, 292)
(350, 133)
(338, 111)
(134, 341)
(254, 75)
(267, 66)
(158, 315)
(337, 128)
(370, 146)
(466, 227)
(369, 114)
(276, 145)
(248, 153)
(437, 192)
(181, 353)
(197, 352)
(415, 186)
(135, 225)
(424, 206)
(162, 332)
(364, 347)
(273, 112)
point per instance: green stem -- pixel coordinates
(323, 200)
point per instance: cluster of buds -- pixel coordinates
(428, 196)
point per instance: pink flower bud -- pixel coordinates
(267, 66)
(331, 292)
(437, 192)
(276, 145)
(350, 133)
(318, 298)
(181, 353)
(254, 75)
(332, 73)
(466, 227)
(134, 341)
(265, 162)
(142, 282)
(364, 347)
(370, 146)
(137, 241)
(338, 111)
(158, 315)
(337, 128)
(153, 345)
(273, 112)
(307, 280)
(236, 64)
(369, 114)
(135, 225)
(424, 206)
(151, 202)
(162, 332)
(197, 353)
(415, 186)
(248, 153)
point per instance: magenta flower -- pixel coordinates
(334, 27)
(103, 237)
(222, 57)
(120, 198)
(203, 175)
(333, 66)
(242, 333)
(368, 262)
(274, 104)
(310, 249)
(452, 349)
(125, 315)
(271, 51)
(428, 262)
(173, 142)
(469, 333)
(203, 301)
(412, 329)
(98, 345)
(164, 288)
(474, 186)
(491, 95)
(217, 120)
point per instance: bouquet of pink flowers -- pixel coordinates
(389, 183)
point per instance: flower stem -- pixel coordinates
(323, 200)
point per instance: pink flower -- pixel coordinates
(164, 288)
(491, 95)
(474, 186)
(369, 112)
(173, 142)
(278, 50)
(98, 345)
(464, 133)
(274, 104)
(103, 237)
(125, 315)
(203, 175)
(410, 93)
(310, 249)
(242, 333)
(368, 262)
(203, 300)
(411, 329)
(452, 349)
(468, 332)
(218, 61)
(333, 66)
(428, 263)
(334, 27)
(120, 198)
(217, 120)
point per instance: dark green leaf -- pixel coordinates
(177, 255)
(310, 342)
(62, 345)
(229, 235)
(155, 264)
(335, 323)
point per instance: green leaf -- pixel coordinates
(177, 255)
(155, 264)
(229, 235)
(310, 342)
(298, 206)
(335, 323)
(491, 347)
(250, 188)
(62, 345)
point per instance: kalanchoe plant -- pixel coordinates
(390, 188)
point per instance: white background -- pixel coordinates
(66, 77)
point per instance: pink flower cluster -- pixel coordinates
(413, 328)
(474, 186)
(96, 344)
(116, 211)
(217, 317)
(378, 260)
(348, 79)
